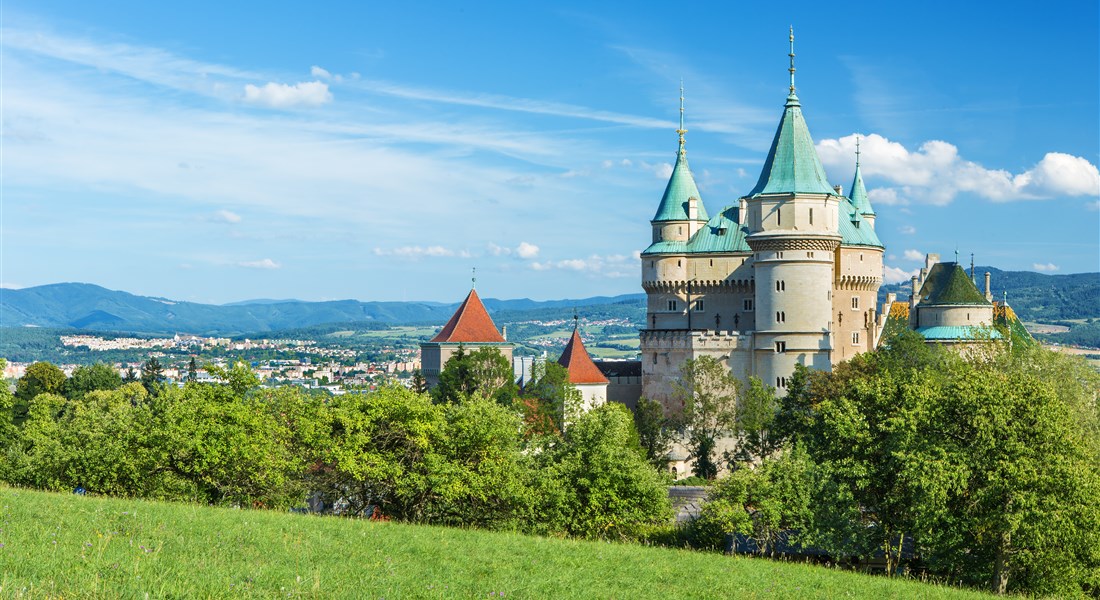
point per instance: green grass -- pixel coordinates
(62, 545)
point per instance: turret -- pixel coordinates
(681, 212)
(859, 194)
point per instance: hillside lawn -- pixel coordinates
(64, 545)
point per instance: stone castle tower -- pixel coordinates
(788, 275)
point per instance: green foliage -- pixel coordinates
(656, 431)
(709, 393)
(39, 378)
(485, 372)
(758, 503)
(595, 482)
(989, 460)
(152, 373)
(99, 376)
(550, 395)
(756, 413)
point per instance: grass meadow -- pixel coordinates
(68, 546)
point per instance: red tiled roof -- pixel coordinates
(470, 323)
(580, 366)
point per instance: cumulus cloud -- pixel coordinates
(319, 72)
(280, 95)
(265, 263)
(935, 173)
(227, 216)
(415, 251)
(913, 255)
(1046, 268)
(907, 229)
(526, 250)
(896, 275)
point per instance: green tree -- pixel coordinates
(485, 372)
(99, 376)
(709, 394)
(152, 373)
(759, 503)
(656, 431)
(192, 370)
(756, 413)
(39, 378)
(551, 394)
(595, 482)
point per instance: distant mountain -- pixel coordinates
(91, 307)
(1034, 296)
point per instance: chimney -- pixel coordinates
(929, 260)
(988, 293)
(504, 332)
(693, 208)
(913, 304)
(839, 190)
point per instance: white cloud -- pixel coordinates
(415, 251)
(265, 263)
(281, 95)
(896, 275)
(1048, 267)
(319, 72)
(907, 229)
(914, 255)
(612, 266)
(8, 285)
(935, 173)
(227, 216)
(526, 250)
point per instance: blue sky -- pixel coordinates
(215, 151)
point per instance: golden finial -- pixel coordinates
(681, 131)
(792, 60)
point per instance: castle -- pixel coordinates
(788, 275)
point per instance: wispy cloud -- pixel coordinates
(227, 216)
(524, 250)
(914, 255)
(264, 263)
(1045, 267)
(416, 251)
(936, 174)
(612, 266)
(896, 275)
(905, 229)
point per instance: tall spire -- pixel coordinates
(681, 131)
(857, 150)
(792, 165)
(792, 64)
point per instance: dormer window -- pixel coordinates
(721, 231)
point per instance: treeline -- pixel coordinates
(465, 459)
(981, 468)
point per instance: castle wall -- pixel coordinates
(663, 353)
(954, 315)
(854, 301)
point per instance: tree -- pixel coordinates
(419, 384)
(756, 413)
(484, 372)
(39, 378)
(595, 481)
(151, 374)
(551, 394)
(709, 394)
(656, 431)
(192, 370)
(99, 376)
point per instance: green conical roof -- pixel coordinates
(858, 195)
(948, 283)
(681, 186)
(792, 165)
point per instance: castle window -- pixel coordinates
(809, 255)
(654, 358)
(855, 338)
(652, 264)
(855, 302)
(860, 257)
(679, 231)
(698, 306)
(672, 305)
(778, 216)
(678, 263)
(748, 304)
(780, 382)
(781, 347)
(781, 317)
(712, 262)
(779, 255)
(811, 216)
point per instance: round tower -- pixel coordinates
(793, 218)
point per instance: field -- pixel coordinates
(61, 545)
